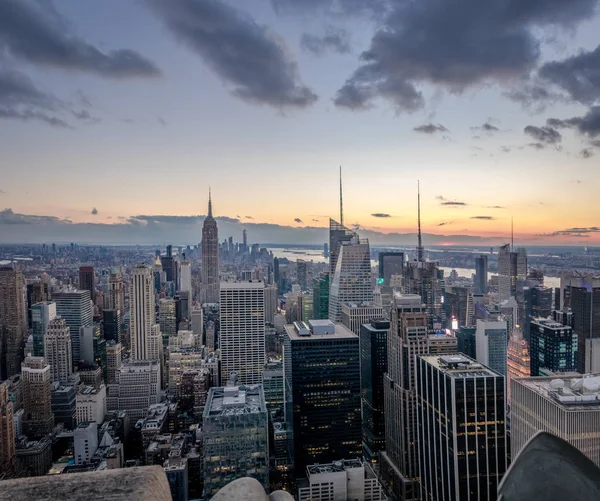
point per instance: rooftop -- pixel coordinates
(459, 366)
(248, 284)
(336, 466)
(549, 323)
(318, 329)
(235, 400)
(572, 391)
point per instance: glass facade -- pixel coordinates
(553, 346)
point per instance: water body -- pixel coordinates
(316, 256)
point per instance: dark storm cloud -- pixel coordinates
(298, 220)
(94, 211)
(334, 40)
(586, 153)
(381, 215)
(31, 31)
(430, 128)
(245, 54)
(334, 8)
(587, 125)
(21, 100)
(484, 218)
(455, 45)
(545, 135)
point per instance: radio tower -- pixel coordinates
(420, 245)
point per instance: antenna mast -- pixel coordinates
(420, 245)
(341, 200)
(512, 234)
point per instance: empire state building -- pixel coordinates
(210, 257)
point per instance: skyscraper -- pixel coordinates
(338, 234)
(57, 351)
(116, 293)
(518, 360)
(87, 280)
(352, 278)
(142, 311)
(321, 297)
(7, 430)
(581, 293)
(373, 366)
(37, 292)
(13, 322)
(301, 273)
(185, 276)
(36, 381)
(242, 337)
(210, 257)
(390, 263)
(491, 341)
(554, 346)
(462, 432)
(407, 338)
(481, 274)
(322, 392)
(75, 308)
(354, 315)
(235, 428)
(512, 266)
(41, 315)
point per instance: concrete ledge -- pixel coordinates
(128, 484)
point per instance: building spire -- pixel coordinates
(341, 200)
(420, 244)
(209, 203)
(512, 234)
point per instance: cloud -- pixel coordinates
(298, 220)
(586, 153)
(587, 125)
(162, 121)
(573, 232)
(493, 207)
(249, 58)
(7, 216)
(450, 203)
(94, 211)
(454, 46)
(445, 223)
(486, 127)
(33, 32)
(505, 149)
(248, 217)
(484, 218)
(333, 8)
(334, 40)
(544, 135)
(315, 220)
(536, 146)
(21, 100)
(430, 128)
(381, 215)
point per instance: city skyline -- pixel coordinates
(156, 107)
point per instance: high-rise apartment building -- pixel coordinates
(491, 340)
(373, 366)
(58, 351)
(481, 274)
(210, 257)
(185, 276)
(351, 280)
(553, 346)
(142, 317)
(114, 359)
(87, 280)
(354, 315)
(581, 293)
(75, 308)
(13, 321)
(36, 382)
(7, 430)
(270, 303)
(41, 315)
(461, 419)
(408, 338)
(167, 317)
(302, 273)
(566, 406)
(426, 279)
(242, 336)
(236, 439)
(390, 263)
(322, 392)
(111, 325)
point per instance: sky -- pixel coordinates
(116, 116)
